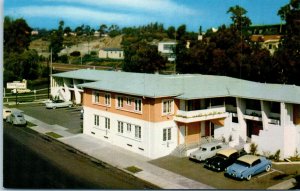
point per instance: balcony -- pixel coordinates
(201, 115)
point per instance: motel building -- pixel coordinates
(156, 115)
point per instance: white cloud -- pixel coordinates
(75, 14)
(166, 7)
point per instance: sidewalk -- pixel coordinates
(118, 157)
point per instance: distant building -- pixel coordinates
(167, 49)
(269, 42)
(96, 33)
(34, 32)
(111, 53)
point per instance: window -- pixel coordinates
(120, 101)
(96, 97)
(120, 126)
(107, 123)
(128, 100)
(107, 99)
(138, 132)
(128, 127)
(167, 106)
(213, 148)
(138, 105)
(96, 120)
(219, 146)
(167, 134)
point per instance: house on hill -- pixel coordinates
(269, 42)
(111, 53)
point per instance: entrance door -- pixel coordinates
(182, 135)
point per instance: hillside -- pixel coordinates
(83, 44)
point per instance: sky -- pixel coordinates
(192, 13)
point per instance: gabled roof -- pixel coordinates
(183, 86)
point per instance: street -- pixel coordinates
(32, 161)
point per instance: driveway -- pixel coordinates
(66, 117)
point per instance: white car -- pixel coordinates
(6, 113)
(58, 103)
(16, 118)
(207, 150)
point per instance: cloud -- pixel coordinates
(75, 14)
(166, 7)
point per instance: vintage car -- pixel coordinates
(222, 159)
(16, 118)
(58, 103)
(248, 165)
(206, 151)
(6, 113)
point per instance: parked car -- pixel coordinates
(206, 151)
(16, 118)
(58, 103)
(6, 113)
(248, 165)
(222, 159)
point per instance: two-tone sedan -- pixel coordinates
(222, 159)
(58, 103)
(247, 166)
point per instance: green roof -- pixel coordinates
(183, 86)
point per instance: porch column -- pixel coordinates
(286, 114)
(265, 111)
(241, 109)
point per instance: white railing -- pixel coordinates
(200, 113)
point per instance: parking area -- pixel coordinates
(66, 117)
(196, 171)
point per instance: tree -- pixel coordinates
(142, 57)
(287, 57)
(238, 17)
(56, 41)
(102, 29)
(17, 35)
(171, 32)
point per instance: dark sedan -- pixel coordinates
(222, 159)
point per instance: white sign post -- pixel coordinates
(16, 85)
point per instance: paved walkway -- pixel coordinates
(118, 157)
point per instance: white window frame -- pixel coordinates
(138, 105)
(137, 132)
(120, 101)
(107, 99)
(169, 107)
(96, 120)
(128, 101)
(107, 123)
(167, 134)
(128, 127)
(120, 127)
(96, 97)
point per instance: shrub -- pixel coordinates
(253, 148)
(75, 53)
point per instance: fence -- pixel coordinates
(26, 97)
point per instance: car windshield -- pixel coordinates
(221, 156)
(8, 111)
(202, 149)
(20, 116)
(242, 163)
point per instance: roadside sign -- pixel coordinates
(16, 85)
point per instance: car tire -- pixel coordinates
(268, 168)
(249, 177)
(54, 107)
(70, 106)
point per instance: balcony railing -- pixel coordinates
(200, 115)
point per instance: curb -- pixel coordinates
(285, 185)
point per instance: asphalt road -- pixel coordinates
(32, 161)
